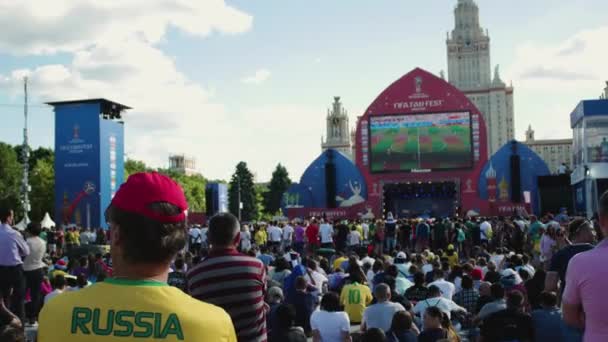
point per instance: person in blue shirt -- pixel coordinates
(547, 321)
(265, 257)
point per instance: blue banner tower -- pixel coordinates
(89, 159)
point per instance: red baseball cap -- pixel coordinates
(145, 188)
(476, 274)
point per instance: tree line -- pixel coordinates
(259, 201)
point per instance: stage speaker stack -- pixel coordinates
(515, 179)
(330, 180)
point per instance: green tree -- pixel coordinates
(35, 155)
(10, 178)
(194, 189)
(242, 182)
(42, 181)
(134, 166)
(279, 183)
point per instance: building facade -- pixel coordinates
(469, 70)
(182, 164)
(553, 151)
(338, 134)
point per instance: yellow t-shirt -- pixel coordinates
(125, 310)
(260, 237)
(355, 297)
(339, 262)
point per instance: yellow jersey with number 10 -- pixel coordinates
(120, 310)
(355, 298)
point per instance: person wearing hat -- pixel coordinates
(403, 265)
(147, 224)
(452, 255)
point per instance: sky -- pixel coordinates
(251, 80)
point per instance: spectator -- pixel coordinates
(58, 283)
(312, 235)
(586, 283)
(418, 291)
(401, 283)
(492, 275)
(498, 303)
(582, 235)
(326, 231)
(436, 300)
(380, 315)
(285, 331)
(330, 324)
(373, 335)
(547, 321)
(485, 296)
(274, 298)
(13, 249)
(534, 287)
(402, 328)
(245, 239)
(468, 296)
(34, 270)
(147, 223)
(282, 270)
(304, 303)
(511, 324)
(266, 257)
(447, 289)
(355, 297)
(231, 280)
(433, 327)
(177, 278)
(314, 276)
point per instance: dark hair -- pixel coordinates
(434, 290)
(434, 312)
(438, 274)
(179, 264)
(81, 280)
(402, 321)
(373, 335)
(330, 302)
(285, 316)
(548, 299)
(467, 282)
(223, 228)
(281, 264)
(393, 271)
(497, 291)
(34, 228)
(145, 240)
(301, 283)
(525, 275)
(58, 281)
(5, 213)
(515, 299)
(419, 278)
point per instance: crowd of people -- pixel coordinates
(519, 278)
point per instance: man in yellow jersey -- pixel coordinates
(355, 297)
(147, 223)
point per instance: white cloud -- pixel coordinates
(260, 76)
(30, 26)
(551, 78)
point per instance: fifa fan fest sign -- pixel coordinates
(89, 160)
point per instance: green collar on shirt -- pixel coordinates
(134, 282)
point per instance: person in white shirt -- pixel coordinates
(58, 282)
(195, 239)
(435, 299)
(329, 323)
(33, 269)
(275, 235)
(365, 228)
(314, 277)
(326, 231)
(447, 289)
(380, 315)
(354, 238)
(485, 231)
(245, 241)
(287, 235)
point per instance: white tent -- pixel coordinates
(22, 224)
(47, 222)
(472, 213)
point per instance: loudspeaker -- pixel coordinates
(515, 179)
(330, 180)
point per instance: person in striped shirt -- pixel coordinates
(231, 280)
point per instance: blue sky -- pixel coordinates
(184, 71)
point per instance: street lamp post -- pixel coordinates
(25, 154)
(238, 184)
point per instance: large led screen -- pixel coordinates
(420, 142)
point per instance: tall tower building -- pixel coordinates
(469, 69)
(338, 135)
